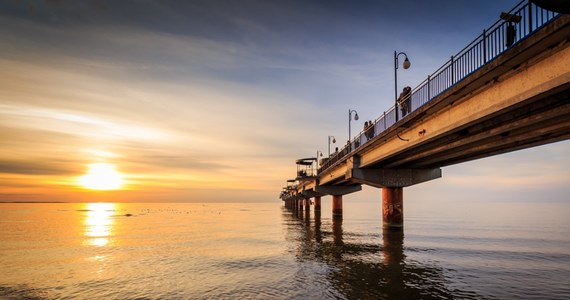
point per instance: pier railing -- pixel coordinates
(510, 29)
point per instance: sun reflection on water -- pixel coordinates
(98, 223)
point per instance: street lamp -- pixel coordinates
(350, 111)
(406, 64)
(333, 140)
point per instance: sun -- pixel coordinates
(101, 176)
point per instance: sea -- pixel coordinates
(500, 250)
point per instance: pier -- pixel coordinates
(507, 90)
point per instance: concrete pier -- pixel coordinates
(337, 205)
(392, 207)
(511, 100)
(317, 203)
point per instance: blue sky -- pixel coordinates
(214, 100)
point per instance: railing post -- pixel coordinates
(429, 89)
(529, 16)
(452, 72)
(484, 46)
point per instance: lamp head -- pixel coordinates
(356, 116)
(406, 63)
(334, 140)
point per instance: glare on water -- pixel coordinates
(99, 222)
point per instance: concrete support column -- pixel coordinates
(317, 203)
(307, 204)
(337, 205)
(392, 207)
(393, 248)
(337, 233)
(299, 204)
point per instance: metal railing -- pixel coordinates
(513, 27)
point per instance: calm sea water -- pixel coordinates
(264, 251)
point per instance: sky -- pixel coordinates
(213, 101)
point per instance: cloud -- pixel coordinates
(65, 168)
(198, 95)
(189, 163)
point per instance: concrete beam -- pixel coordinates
(338, 190)
(312, 194)
(388, 177)
(332, 174)
(381, 178)
(525, 120)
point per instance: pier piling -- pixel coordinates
(337, 205)
(392, 207)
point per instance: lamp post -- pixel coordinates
(333, 140)
(350, 111)
(406, 64)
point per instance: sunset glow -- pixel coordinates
(101, 176)
(165, 149)
(98, 223)
(200, 101)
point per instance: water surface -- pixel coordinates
(265, 251)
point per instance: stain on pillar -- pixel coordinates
(392, 207)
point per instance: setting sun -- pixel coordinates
(101, 176)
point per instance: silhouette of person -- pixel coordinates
(369, 130)
(404, 100)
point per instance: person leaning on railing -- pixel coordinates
(369, 130)
(404, 100)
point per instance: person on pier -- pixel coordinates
(404, 100)
(369, 130)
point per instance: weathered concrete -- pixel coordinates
(392, 207)
(392, 177)
(388, 177)
(338, 190)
